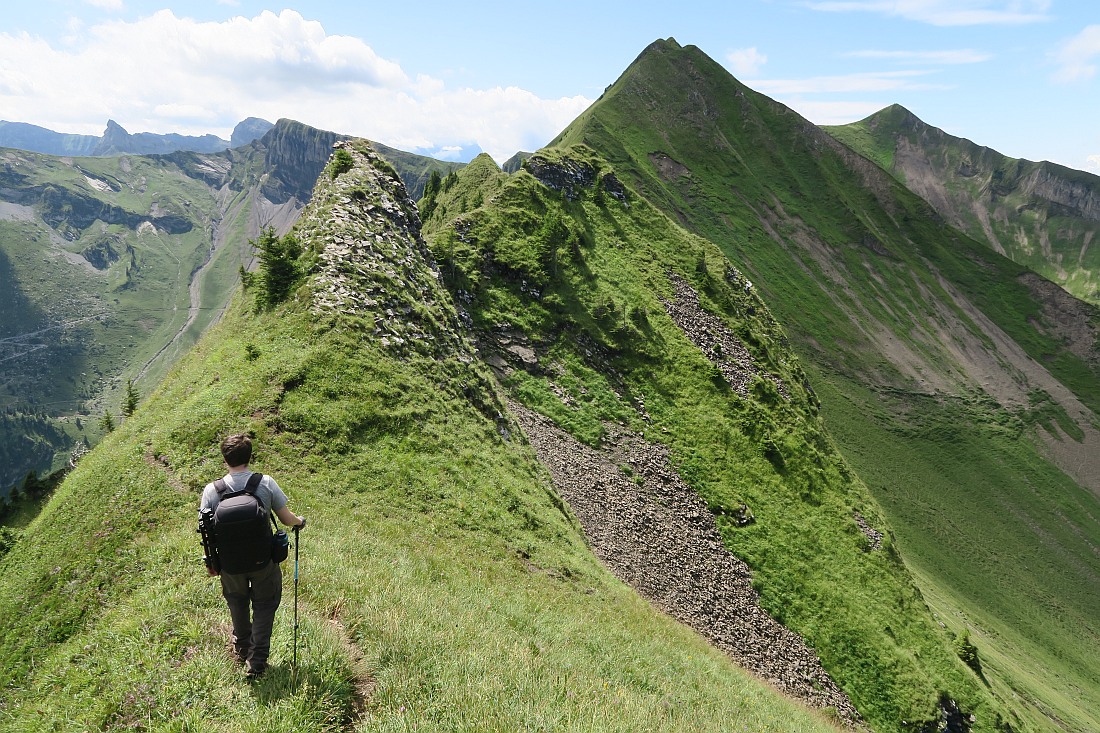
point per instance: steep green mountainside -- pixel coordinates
(602, 314)
(1041, 215)
(111, 267)
(444, 584)
(962, 388)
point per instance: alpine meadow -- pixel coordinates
(699, 418)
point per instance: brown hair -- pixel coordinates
(237, 450)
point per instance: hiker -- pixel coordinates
(249, 575)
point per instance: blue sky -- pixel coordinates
(448, 79)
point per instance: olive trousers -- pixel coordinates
(253, 598)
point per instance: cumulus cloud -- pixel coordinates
(1092, 164)
(745, 61)
(1077, 57)
(947, 12)
(164, 73)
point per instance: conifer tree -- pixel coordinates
(278, 266)
(130, 401)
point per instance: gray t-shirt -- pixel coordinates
(268, 492)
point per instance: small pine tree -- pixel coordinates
(435, 182)
(130, 401)
(341, 162)
(279, 269)
(431, 192)
(450, 180)
(968, 652)
(107, 422)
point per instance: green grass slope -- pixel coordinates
(1042, 215)
(583, 272)
(442, 584)
(940, 371)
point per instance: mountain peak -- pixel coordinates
(247, 130)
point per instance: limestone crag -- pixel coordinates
(372, 261)
(655, 533)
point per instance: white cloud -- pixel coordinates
(1092, 164)
(189, 112)
(1077, 57)
(745, 61)
(164, 73)
(947, 58)
(947, 12)
(881, 81)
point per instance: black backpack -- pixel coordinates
(241, 533)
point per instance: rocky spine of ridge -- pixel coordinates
(372, 261)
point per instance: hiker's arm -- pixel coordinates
(289, 518)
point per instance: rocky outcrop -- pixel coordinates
(567, 176)
(71, 212)
(655, 533)
(103, 252)
(294, 156)
(373, 262)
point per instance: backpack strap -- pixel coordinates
(249, 488)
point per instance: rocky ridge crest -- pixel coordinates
(372, 261)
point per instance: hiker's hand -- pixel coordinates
(212, 572)
(301, 524)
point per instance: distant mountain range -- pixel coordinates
(115, 140)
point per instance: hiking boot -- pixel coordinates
(255, 673)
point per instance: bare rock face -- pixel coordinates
(571, 176)
(567, 176)
(655, 533)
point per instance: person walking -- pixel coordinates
(252, 582)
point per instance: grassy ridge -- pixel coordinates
(862, 275)
(583, 279)
(1035, 213)
(443, 586)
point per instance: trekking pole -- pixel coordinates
(294, 663)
